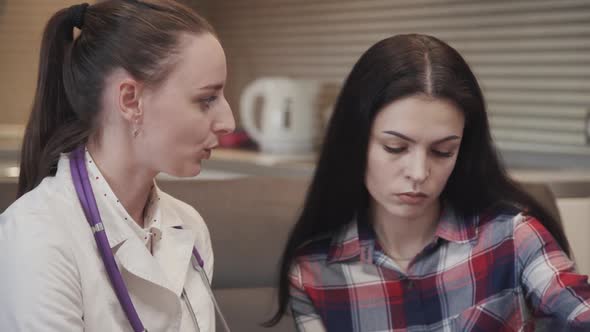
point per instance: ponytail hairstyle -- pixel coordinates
(141, 37)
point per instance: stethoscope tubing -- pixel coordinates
(88, 202)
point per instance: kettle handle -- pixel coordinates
(247, 109)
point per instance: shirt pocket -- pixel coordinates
(501, 313)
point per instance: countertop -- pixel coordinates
(230, 163)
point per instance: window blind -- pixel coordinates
(532, 57)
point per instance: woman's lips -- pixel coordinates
(412, 198)
(206, 153)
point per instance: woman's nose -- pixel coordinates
(225, 122)
(418, 168)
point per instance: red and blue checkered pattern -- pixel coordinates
(500, 272)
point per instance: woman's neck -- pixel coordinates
(129, 182)
(403, 238)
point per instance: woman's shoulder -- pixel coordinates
(31, 233)
(45, 217)
(511, 222)
(318, 246)
(501, 217)
(44, 207)
(37, 254)
(496, 226)
(324, 246)
(37, 225)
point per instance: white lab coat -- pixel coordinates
(53, 279)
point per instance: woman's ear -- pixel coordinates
(130, 100)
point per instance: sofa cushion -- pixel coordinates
(246, 308)
(249, 219)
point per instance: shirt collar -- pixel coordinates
(113, 212)
(117, 222)
(357, 240)
(346, 244)
(455, 228)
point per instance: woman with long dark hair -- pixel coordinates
(411, 222)
(92, 244)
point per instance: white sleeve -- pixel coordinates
(40, 286)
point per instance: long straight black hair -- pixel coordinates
(141, 37)
(394, 68)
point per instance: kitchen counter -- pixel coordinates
(256, 163)
(230, 163)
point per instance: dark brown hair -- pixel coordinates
(141, 37)
(392, 69)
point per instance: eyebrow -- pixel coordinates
(215, 86)
(404, 137)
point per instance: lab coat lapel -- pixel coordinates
(158, 307)
(174, 251)
(134, 257)
(128, 248)
(174, 255)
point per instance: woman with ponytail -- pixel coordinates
(92, 243)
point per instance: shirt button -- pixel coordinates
(409, 285)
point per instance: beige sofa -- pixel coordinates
(249, 219)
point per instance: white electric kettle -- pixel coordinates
(289, 119)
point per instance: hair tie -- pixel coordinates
(77, 14)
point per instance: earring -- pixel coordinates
(136, 130)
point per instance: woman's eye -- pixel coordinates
(394, 149)
(442, 154)
(206, 102)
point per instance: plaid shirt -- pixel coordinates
(493, 273)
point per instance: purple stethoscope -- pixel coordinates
(88, 202)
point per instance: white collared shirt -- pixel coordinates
(53, 278)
